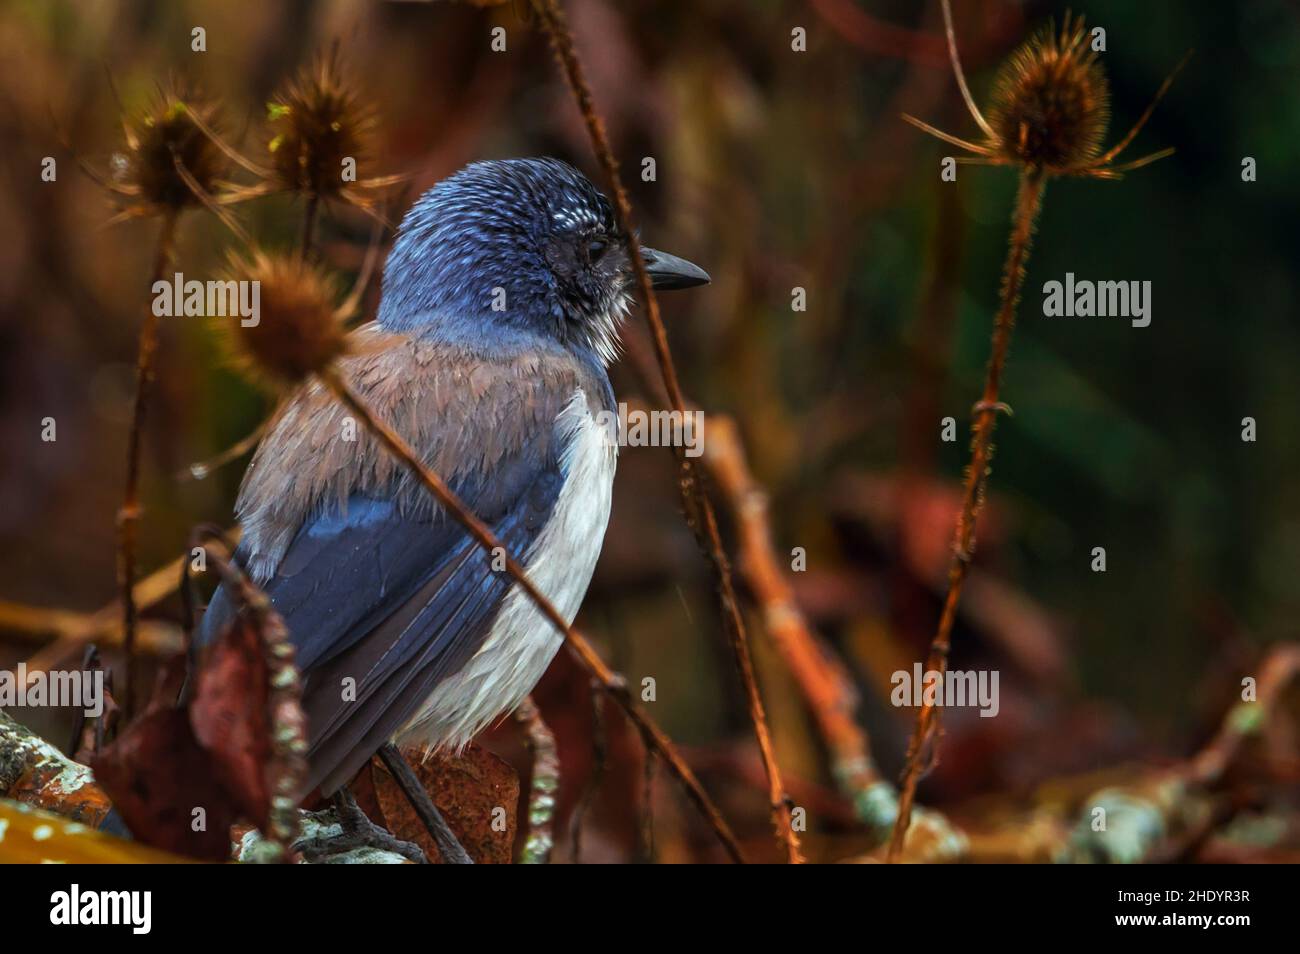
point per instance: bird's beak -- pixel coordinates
(669, 271)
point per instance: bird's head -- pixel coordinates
(517, 248)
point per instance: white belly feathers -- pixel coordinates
(523, 642)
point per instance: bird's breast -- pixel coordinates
(522, 642)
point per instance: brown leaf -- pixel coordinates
(230, 717)
(468, 789)
(156, 774)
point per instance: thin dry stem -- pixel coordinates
(614, 684)
(1113, 153)
(544, 785)
(72, 630)
(1280, 668)
(307, 240)
(961, 74)
(826, 684)
(1028, 202)
(599, 755)
(698, 508)
(948, 137)
(210, 203)
(202, 468)
(129, 515)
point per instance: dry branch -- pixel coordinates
(599, 756)
(129, 514)
(1028, 202)
(543, 787)
(34, 772)
(695, 502)
(1144, 818)
(71, 630)
(826, 684)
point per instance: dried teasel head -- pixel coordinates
(319, 143)
(296, 330)
(1050, 101)
(1050, 109)
(171, 163)
(320, 125)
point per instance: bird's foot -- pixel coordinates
(358, 832)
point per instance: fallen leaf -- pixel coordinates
(474, 792)
(230, 717)
(157, 776)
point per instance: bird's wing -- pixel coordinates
(378, 587)
(381, 607)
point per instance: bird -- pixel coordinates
(500, 310)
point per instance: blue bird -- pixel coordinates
(501, 305)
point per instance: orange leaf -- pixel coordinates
(476, 792)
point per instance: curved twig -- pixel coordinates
(699, 510)
(613, 684)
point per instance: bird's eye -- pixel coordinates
(595, 249)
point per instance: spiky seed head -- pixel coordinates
(163, 135)
(318, 120)
(1050, 101)
(297, 331)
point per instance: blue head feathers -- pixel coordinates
(509, 250)
(513, 249)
